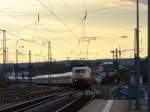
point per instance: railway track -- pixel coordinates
(69, 101)
(76, 104)
(12, 95)
(36, 102)
(21, 96)
(68, 104)
(18, 90)
(23, 87)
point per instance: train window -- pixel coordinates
(80, 71)
(89, 70)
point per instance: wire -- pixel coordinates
(57, 18)
(27, 40)
(13, 34)
(65, 4)
(119, 31)
(50, 5)
(21, 13)
(23, 28)
(50, 30)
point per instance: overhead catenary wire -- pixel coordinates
(26, 40)
(65, 4)
(22, 28)
(52, 13)
(44, 28)
(55, 30)
(57, 18)
(23, 13)
(102, 36)
(47, 28)
(35, 41)
(50, 4)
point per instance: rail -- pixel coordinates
(68, 107)
(36, 102)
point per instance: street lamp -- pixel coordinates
(137, 62)
(148, 57)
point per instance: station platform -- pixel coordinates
(99, 105)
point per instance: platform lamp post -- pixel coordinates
(148, 57)
(137, 62)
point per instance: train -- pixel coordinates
(104, 72)
(82, 77)
(79, 76)
(55, 79)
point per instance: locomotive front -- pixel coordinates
(81, 76)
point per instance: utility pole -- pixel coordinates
(7, 55)
(137, 62)
(116, 52)
(16, 74)
(116, 60)
(49, 51)
(84, 37)
(88, 39)
(4, 52)
(30, 76)
(49, 60)
(4, 46)
(67, 58)
(148, 103)
(120, 53)
(16, 56)
(113, 54)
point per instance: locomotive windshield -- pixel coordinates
(80, 71)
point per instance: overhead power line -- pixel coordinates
(21, 13)
(57, 18)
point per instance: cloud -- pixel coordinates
(141, 1)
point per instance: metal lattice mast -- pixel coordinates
(49, 51)
(4, 51)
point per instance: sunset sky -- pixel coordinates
(61, 21)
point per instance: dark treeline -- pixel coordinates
(56, 67)
(40, 68)
(50, 67)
